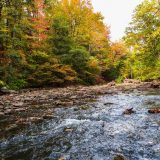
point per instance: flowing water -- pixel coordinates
(98, 131)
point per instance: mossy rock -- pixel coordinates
(84, 107)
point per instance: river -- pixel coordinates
(95, 131)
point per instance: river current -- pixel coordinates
(96, 131)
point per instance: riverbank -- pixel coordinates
(20, 109)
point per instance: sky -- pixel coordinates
(117, 14)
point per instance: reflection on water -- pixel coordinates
(98, 132)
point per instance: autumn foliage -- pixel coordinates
(57, 42)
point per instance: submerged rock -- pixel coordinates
(119, 157)
(68, 129)
(108, 103)
(48, 116)
(155, 110)
(129, 111)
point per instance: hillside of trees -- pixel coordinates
(63, 42)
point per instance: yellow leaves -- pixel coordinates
(118, 50)
(93, 62)
(23, 56)
(4, 30)
(68, 73)
(85, 26)
(156, 33)
(70, 78)
(93, 65)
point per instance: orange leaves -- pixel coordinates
(118, 50)
(40, 24)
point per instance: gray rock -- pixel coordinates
(8, 111)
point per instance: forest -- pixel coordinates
(68, 91)
(57, 43)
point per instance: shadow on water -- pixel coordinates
(98, 131)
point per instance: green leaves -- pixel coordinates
(143, 37)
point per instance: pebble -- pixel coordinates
(2, 114)
(18, 104)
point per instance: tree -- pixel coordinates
(57, 41)
(77, 29)
(15, 26)
(115, 61)
(143, 39)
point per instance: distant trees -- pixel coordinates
(143, 40)
(115, 61)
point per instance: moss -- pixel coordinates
(84, 107)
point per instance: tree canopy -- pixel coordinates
(143, 41)
(57, 42)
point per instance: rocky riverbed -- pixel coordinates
(20, 109)
(81, 123)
